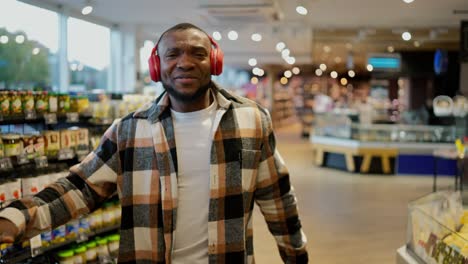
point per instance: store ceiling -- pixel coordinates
(346, 27)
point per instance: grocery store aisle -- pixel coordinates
(348, 218)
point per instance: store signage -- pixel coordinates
(441, 252)
(385, 61)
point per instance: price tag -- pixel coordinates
(73, 118)
(65, 154)
(50, 119)
(22, 159)
(82, 237)
(41, 162)
(5, 164)
(30, 114)
(36, 245)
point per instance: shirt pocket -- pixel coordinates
(249, 161)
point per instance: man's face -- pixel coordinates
(185, 64)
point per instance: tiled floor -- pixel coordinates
(348, 218)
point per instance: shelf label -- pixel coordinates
(5, 164)
(50, 118)
(66, 154)
(36, 245)
(41, 162)
(30, 114)
(22, 159)
(73, 118)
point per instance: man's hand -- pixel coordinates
(8, 231)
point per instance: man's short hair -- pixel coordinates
(181, 27)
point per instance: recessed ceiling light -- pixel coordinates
(406, 36)
(217, 35)
(284, 80)
(370, 67)
(291, 60)
(256, 37)
(408, 1)
(4, 39)
(285, 52)
(280, 46)
(301, 10)
(252, 62)
(19, 39)
(390, 49)
(254, 80)
(296, 70)
(318, 72)
(88, 9)
(323, 67)
(256, 70)
(288, 74)
(232, 35)
(35, 51)
(261, 72)
(351, 73)
(343, 81)
(334, 74)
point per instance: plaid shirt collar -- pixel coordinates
(153, 110)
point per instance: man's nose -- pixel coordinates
(185, 61)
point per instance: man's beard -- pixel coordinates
(186, 98)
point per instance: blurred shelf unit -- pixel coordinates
(283, 111)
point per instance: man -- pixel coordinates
(187, 169)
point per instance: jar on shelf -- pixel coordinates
(80, 254)
(11, 145)
(27, 99)
(113, 245)
(96, 219)
(102, 249)
(91, 252)
(108, 217)
(42, 102)
(63, 103)
(2, 152)
(16, 107)
(66, 256)
(53, 103)
(4, 103)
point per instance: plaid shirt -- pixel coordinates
(137, 158)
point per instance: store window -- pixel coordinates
(88, 55)
(145, 53)
(28, 47)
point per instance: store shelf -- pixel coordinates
(25, 253)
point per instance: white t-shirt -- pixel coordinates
(193, 136)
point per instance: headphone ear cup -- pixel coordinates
(154, 67)
(216, 57)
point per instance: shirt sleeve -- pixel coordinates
(88, 184)
(277, 201)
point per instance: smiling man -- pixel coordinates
(188, 169)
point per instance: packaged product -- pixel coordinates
(27, 99)
(30, 186)
(85, 225)
(66, 256)
(65, 139)
(113, 245)
(72, 229)
(42, 102)
(12, 145)
(52, 139)
(108, 217)
(13, 189)
(16, 107)
(4, 103)
(39, 145)
(2, 153)
(73, 137)
(91, 252)
(96, 219)
(63, 103)
(83, 104)
(3, 194)
(28, 146)
(53, 103)
(44, 181)
(80, 254)
(102, 249)
(83, 136)
(46, 238)
(59, 234)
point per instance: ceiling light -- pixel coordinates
(280, 46)
(337, 59)
(256, 70)
(296, 70)
(343, 81)
(291, 60)
(252, 62)
(73, 66)
(80, 67)
(370, 67)
(334, 74)
(261, 72)
(390, 49)
(19, 39)
(254, 80)
(256, 37)
(4, 39)
(232, 35)
(301, 10)
(288, 74)
(87, 9)
(408, 1)
(323, 67)
(327, 49)
(217, 35)
(318, 72)
(417, 44)
(284, 80)
(406, 36)
(35, 51)
(285, 52)
(351, 73)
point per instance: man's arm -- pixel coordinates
(277, 201)
(83, 190)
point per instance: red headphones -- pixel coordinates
(216, 61)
